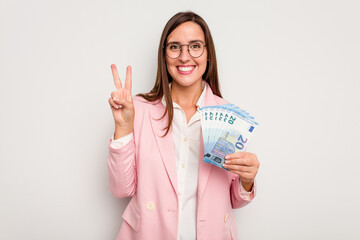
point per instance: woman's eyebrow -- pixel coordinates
(174, 42)
(196, 41)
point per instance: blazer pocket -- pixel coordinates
(132, 217)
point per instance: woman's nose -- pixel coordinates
(184, 54)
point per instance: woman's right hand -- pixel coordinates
(121, 104)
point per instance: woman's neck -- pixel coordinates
(186, 96)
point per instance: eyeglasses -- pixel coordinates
(195, 49)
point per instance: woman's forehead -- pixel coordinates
(186, 32)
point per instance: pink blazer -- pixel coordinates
(145, 170)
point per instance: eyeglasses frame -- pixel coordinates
(181, 45)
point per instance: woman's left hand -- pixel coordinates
(244, 164)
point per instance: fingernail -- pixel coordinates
(227, 161)
(116, 107)
(115, 99)
(227, 157)
(224, 165)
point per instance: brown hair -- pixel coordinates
(163, 78)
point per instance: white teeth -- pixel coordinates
(185, 69)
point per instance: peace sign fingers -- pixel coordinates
(121, 102)
(117, 81)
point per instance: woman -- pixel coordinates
(156, 154)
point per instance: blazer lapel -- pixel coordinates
(205, 168)
(165, 144)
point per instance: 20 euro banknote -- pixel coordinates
(226, 129)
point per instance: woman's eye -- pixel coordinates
(195, 46)
(174, 47)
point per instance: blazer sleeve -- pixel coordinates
(122, 170)
(237, 201)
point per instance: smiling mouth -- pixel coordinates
(185, 69)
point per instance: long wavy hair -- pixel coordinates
(163, 78)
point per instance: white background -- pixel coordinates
(292, 64)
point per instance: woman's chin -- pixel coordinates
(186, 81)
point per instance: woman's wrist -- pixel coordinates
(121, 131)
(247, 185)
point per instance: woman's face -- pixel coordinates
(186, 70)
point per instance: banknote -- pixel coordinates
(226, 129)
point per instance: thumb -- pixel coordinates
(125, 102)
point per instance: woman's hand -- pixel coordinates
(121, 104)
(244, 164)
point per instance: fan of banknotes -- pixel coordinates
(226, 129)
